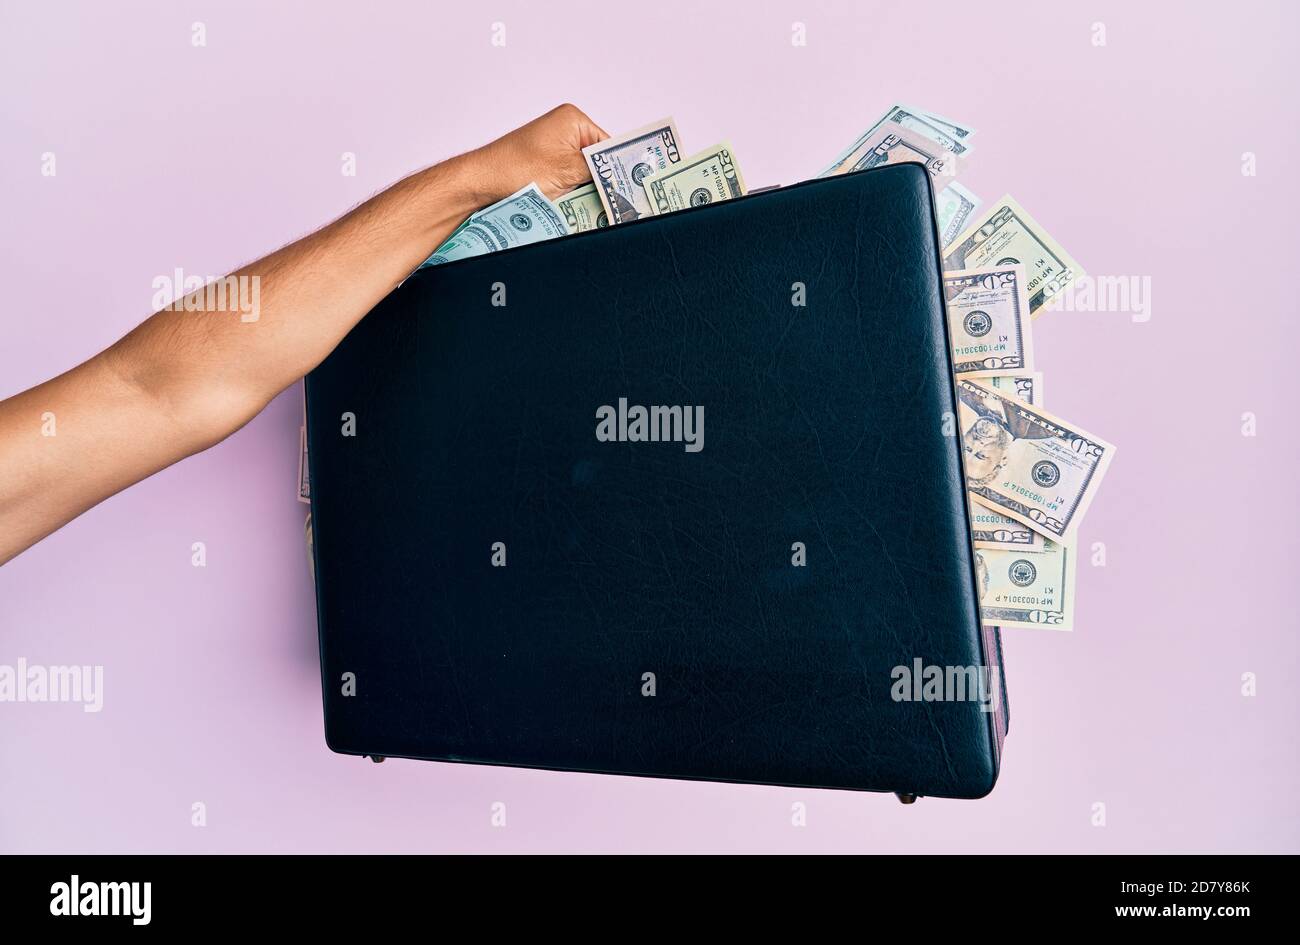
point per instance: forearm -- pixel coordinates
(184, 380)
(196, 372)
(214, 370)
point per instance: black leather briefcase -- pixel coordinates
(679, 498)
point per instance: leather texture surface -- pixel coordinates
(824, 424)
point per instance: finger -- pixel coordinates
(588, 131)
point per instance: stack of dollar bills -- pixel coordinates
(641, 173)
(1030, 474)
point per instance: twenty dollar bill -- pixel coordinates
(988, 319)
(1026, 463)
(1027, 589)
(1028, 386)
(989, 527)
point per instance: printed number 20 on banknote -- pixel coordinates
(988, 318)
(1026, 463)
(1027, 589)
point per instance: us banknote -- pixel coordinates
(960, 134)
(1026, 463)
(988, 320)
(304, 475)
(311, 556)
(462, 244)
(582, 209)
(954, 207)
(1007, 234)
(526, 216)
(951, 137)
(892, 144)
(1028, 589)
(707, 177)
(1027, 385)
(619, 167)
(989, 527)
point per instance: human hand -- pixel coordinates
(547, 150)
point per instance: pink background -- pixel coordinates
(204, 158)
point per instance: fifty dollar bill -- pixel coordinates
(950, 136)
(1007, 234)
(891, 144)
(707, 177)
(619, 166)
